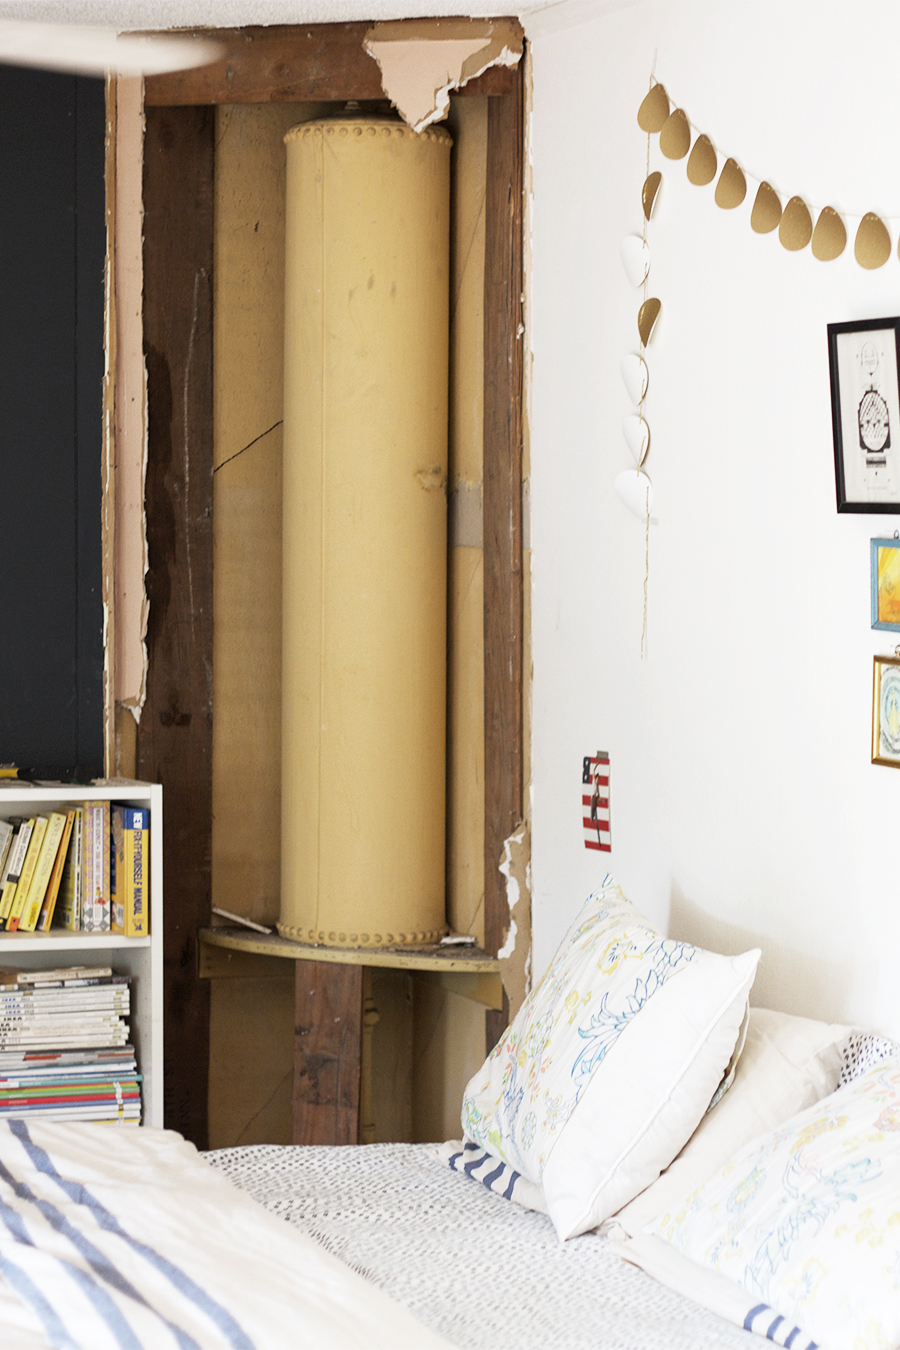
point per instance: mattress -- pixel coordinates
(478, 1269)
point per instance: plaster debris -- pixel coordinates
(509, 945)
(515, 866)
(421, 62)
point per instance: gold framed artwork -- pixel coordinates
(886, 583)
(886, 711)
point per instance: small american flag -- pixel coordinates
(595, 802)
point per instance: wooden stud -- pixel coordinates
(175, 733)
(329, 1017)
(281, 64)
(503, 591)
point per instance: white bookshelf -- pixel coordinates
(141, 958)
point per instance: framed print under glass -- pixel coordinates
(886, 584)
(886, 711)
(864, 359)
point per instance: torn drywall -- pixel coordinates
(422, 61)
(515, 954)
(130, 549)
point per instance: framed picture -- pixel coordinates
(886, 583)
(886, 711)
(864, 359)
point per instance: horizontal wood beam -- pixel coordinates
(291, 64)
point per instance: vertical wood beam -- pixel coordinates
(503, 594)
(328, 1026)
(175, 733)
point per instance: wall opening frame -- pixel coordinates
(316, 63)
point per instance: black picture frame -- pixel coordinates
(864, 365)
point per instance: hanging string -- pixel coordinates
(695, 130)
(644, 386)
(646, 573)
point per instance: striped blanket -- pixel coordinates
(116, 1239)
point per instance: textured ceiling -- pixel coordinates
(124, 14)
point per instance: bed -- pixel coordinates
(716, 1174)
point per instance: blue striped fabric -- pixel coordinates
(50, 1255)
(779, 1330)
(477, 1164)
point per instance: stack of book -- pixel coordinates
(64, 1048)
(86, 867)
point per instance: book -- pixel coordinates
(70, 893)
(95, 916)
(130, 871)
(14, 870)
(14, 822)
(28, 870)
(31, 1061)
(48, 907)
(7, 830)
(15, 975)
(82, 982)
(31, 909)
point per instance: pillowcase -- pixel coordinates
(788, 1063)
(803, 1223)
(610, 1063)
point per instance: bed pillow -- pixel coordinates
(803, 1223)
(611, 1062)
(788, 1063)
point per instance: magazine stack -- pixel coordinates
(64, 1046)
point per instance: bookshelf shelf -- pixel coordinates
(141, 958)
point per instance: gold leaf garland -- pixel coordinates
(794, 222)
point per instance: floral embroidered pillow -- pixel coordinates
(806, 1220)
(611, 1062)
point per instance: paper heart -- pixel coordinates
(635, 375)
(635, 258)
(636, 491)
(637, 437)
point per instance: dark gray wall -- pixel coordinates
(52, 248)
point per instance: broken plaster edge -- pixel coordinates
(470, 67)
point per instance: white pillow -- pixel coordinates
(787, 1064)
(802, 1226)
(611, 1062)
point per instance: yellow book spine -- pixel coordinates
(6, 900)
(137, 875)
(130, 874)
(56, 824)
(49, 905)
(28, 871)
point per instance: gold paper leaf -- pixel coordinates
(702, 165)
(795, 230)
(766, 212)
(647, 316)
(731, 188)
(829, 237)
(654, 110)
(675, 137)
(873, 243)
(648, 193)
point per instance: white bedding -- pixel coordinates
(482, 1272)
(114, 1239)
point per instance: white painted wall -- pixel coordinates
(745, 808)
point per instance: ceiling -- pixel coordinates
(154, 14)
